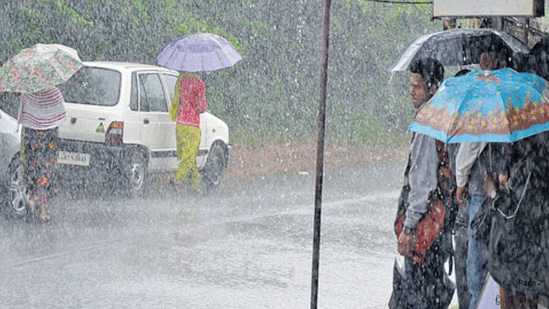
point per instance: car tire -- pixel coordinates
(16, 203)
(135, 176)
(212, 173)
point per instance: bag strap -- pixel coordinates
(446, 179)
(514, 213)
(442, 152)
(446, 191)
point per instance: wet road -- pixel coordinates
(249, 246)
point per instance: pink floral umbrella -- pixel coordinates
(38, 68)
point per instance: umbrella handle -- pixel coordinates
(490, 156)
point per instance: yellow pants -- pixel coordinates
(188, 141)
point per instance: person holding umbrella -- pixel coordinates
(424, 280)
(519, 236)
(40, 114)
(34, 73)
(188, 103)
(198, 52)
(461, 226)
(473, 160)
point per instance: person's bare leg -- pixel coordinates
(32, 206)
(43, 214)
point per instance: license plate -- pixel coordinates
(74, 158)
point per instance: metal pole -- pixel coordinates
(320, 152)
(525, 30)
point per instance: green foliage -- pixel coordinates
(65, 9)
(396, 10)
(273, 93)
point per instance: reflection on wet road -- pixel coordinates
(249, 246)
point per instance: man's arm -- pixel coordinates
(423, 180)
(465, 158)
(422, 177)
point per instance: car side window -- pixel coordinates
(151, 93)
(93, 86)
(171, 80)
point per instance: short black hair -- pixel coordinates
(520, 62)
(430, 69)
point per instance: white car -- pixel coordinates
(13, 190)
(118, 129)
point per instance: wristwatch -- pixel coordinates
(493, 194)
(409, 231)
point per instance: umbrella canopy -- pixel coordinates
(198, 52)
(38, 68)
(538, 59)
(486, 106)
(458, 47)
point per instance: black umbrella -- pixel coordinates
(538, 59)
(458, 47)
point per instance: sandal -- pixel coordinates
(43, 219)
(31, 211)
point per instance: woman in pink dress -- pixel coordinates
(188, 103)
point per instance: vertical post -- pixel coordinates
(320, 153)
(525, 30)
(497, 23)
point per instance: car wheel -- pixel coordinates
(17, 196)
(135, 177)
(212, 174)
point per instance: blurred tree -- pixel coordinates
(272, 93)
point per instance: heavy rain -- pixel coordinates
(119, 220)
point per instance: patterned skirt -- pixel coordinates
(39, 151)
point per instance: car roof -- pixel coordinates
(131, 66)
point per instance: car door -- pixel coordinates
(9, 141)
(170, 80)
(158, 131)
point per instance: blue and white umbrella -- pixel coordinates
(486, 106)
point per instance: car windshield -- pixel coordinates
(93, 86)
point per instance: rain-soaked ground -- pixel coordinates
(249, 246)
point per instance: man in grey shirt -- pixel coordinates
(423, 279)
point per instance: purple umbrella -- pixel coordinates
(198, 52)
